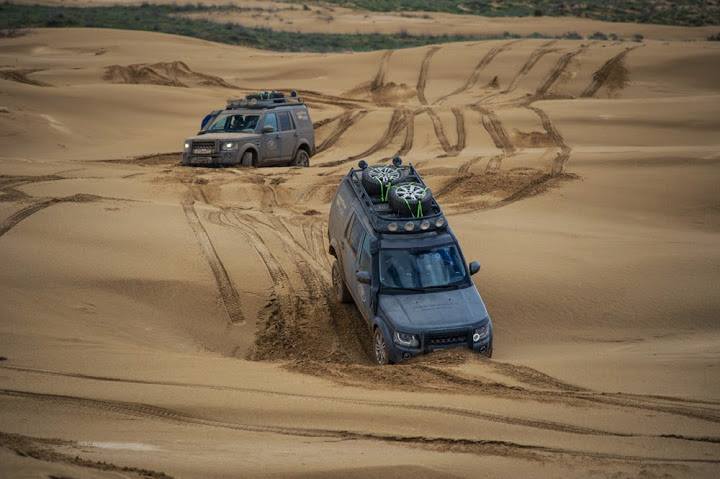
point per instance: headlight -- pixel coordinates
(187, 146)
(229, 146)
(481, 333)
(404, 339)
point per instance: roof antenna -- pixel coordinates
(397, 161)
(362, 164)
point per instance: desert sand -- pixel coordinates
(158, 321)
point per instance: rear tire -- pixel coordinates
(342, 294)
(382, 354)
(301, 159)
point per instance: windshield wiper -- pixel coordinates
(427, 288)
(444, 286)
(390, 288)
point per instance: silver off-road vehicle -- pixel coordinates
(262, 129)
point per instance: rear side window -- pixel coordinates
(271, 120)
(355, 234)
(365, 264)
(285, 121)
(301, 116)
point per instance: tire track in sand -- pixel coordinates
(532, 60)
(14, 219)
(475, 75)
(383, 68)
(552, 132)
(301, 321)
(533, 423)
(476, 446)
(344, 122)
(450, 150)
(602, 74)
(228, 294)
(399, 121)
(422, 77)
(557, 70)
(492, 124)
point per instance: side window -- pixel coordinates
(271, 120)
(355, 234)
(365, 263)
(285, 122)
(301, 116)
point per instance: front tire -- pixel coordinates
(489, 351)
(247, 159)
(342, 294)
(302, 158)
(382, 354)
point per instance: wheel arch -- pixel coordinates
(250, 147)
(303, 145)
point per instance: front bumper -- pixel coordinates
(443, 339)
(223, 158)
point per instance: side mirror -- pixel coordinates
(268, 129)
(474, 267)
(363, 277)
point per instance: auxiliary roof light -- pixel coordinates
(409, 226)
(440, 222)
(392, 227)
(425, 225)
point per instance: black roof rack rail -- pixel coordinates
(264, 100)
(383, 219)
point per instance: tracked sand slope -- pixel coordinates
(178, 320)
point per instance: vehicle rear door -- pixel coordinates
(351, 244)
(271, 152)
(364, 291)
(288, 135)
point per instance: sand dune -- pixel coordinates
(179, 321)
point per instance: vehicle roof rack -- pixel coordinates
(382, 218)
(265, 99)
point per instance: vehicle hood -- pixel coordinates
(238, 136)
(436, 310)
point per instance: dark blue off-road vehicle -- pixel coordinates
(398, 259)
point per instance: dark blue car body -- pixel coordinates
(410, 321)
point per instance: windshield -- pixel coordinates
(434, 267)
(234, 122)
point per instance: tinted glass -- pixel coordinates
(285, 122)
(356, 233)
(421, 268)
(271, 120)
(234, 123)
(365, 263)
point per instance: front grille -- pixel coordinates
(446, 338)
(203, 147)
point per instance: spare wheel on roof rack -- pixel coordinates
(377, 180)
(411, 199)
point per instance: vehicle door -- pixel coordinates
(270, 140)
(364, 291)
(351, 243)
(288, 135)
